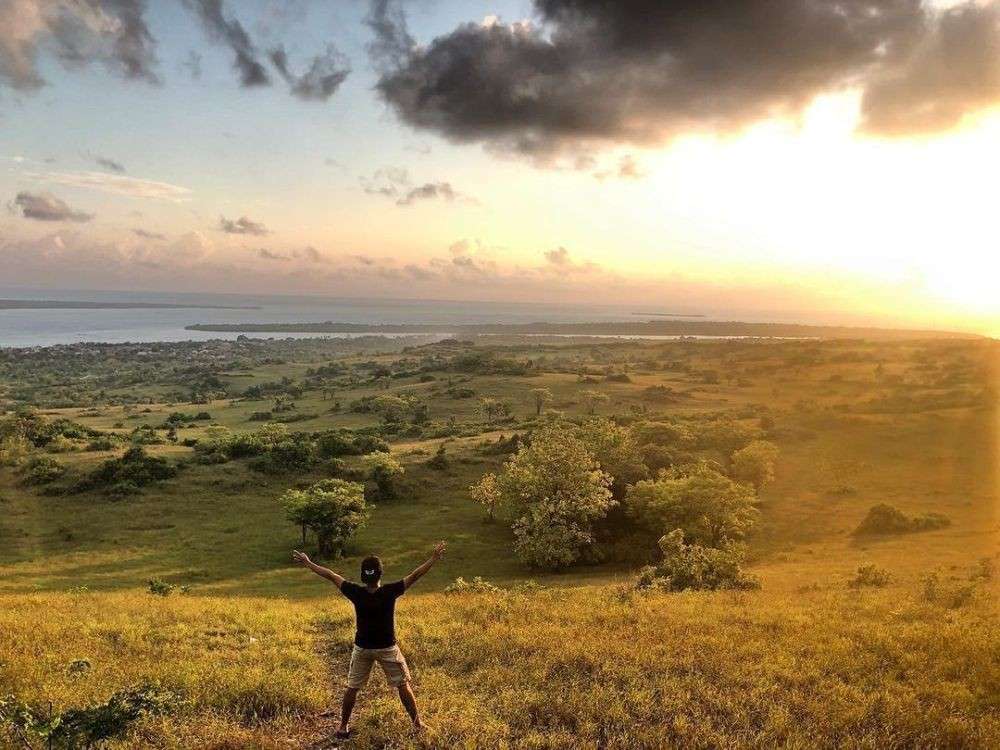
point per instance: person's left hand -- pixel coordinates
(300, 557)
(439, 550)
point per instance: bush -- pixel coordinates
(42, 470)
(884, 519)
(86, 727)
(869, 575)
(691, 566)
(439, 461)
(159, 587)
(260, 416)
(383, 470)
(135, 469)
(949, 594)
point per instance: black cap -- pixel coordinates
(371, 570)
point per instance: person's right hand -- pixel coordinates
(300, 557)
(439, 550)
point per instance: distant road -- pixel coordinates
(638, 329)
(46, 304)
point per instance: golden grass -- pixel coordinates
(556, 669)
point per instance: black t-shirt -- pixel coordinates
(375, 612)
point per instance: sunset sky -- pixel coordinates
(790, 159)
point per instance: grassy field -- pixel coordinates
(257, 647)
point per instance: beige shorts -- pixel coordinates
(390, 659)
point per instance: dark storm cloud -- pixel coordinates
(390, 49)
(230, 31)
(322, 78)
(147, 235)
(242, 225)
(955, 70)
(46, 207)
(595, 71)
(112, 32)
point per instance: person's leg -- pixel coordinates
(350, 696)
(362, 661)
(409, 702)
(397, 672)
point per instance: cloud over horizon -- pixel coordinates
(46, 207)
(242, 225)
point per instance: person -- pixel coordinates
(375, 634)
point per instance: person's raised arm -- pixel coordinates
(303, 559)
(419, 571)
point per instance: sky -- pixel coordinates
(787, 160)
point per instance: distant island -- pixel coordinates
(46, 304)
(722, 329)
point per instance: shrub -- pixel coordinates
(383, 470)
(86, 727)
(885, 519)
(869, 575)
(439, 461)
(42, 470)
(159, 587)
(948, 594)
(14, 449)
(135, 469)
(692, 566)
(260, 416)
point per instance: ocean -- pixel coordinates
(46, 327)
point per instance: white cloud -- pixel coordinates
(118, 184)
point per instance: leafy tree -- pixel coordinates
(556, 491)
(541, 397)
(755, 463)
(707, 506)
(332, 509)
(383, 470)
(593, 399)
(486, 492)
(616, 451)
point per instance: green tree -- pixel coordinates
(707, 506)
(556, 491)
(755, 463)
(332, 509)
(616, 450)
(541, 397)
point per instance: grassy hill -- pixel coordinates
(257, 647)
